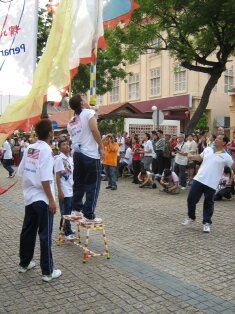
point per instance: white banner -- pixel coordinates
(18, 38)
(87, 28)
(88, 21)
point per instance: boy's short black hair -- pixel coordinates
(225, 139)
(167, 172)
(62, 140)
(227, 170)
(148, 136)
(43, 128)
(143, 171)
(136, 138)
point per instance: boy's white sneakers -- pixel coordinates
(187, 222)
(76, 214)
(87, 221)
(206, 227)
(31, 265)
(70, 237)
(56, 274)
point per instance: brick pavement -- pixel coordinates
(156, 265)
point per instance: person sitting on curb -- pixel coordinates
(145, 179)
(170, 182)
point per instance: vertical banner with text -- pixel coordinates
(18, 38)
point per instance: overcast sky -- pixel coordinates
(42, 3)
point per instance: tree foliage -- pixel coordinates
(112, 125)
(200, 34)
(44, 27)
(108, 69)
(202, 124)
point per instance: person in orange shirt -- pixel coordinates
(110, 160)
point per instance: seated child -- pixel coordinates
(145, 179)
(125, 159)
(170, 182)
(225, 186)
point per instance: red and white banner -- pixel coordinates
(18, 35)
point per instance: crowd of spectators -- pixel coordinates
(170, 163)
(163, 157)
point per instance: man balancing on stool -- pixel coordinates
(36, 170)
(214, 159)
(88, 150)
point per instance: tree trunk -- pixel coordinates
(204, 101)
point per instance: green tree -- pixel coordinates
(108, 69)
(112, 125)
(200, 34)
(44, 27)
(202, 124)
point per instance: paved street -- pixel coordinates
(156, 265)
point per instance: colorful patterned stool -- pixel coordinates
(87, 253)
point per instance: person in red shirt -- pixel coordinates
(136, 158)
(173, 142)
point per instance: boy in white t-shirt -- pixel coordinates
(147, 151)
(145, 179)
(126, 161)
(64, 181)
(7, 158)
(36, 170)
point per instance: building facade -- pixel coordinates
(159, 80)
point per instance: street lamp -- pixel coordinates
(155, 116)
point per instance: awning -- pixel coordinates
(167, 103)
(143, 109)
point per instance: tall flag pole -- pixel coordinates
(93, 78)
(94, 57)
